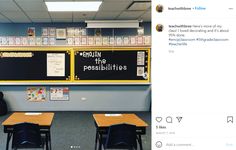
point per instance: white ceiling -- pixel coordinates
(28, 11)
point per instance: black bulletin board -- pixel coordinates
(30, 68)
(121, 65)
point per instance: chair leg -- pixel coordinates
(100, 142)
(8, 140)
(140, 142)
(96, 139)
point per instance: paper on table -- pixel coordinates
(109, 115)
(32, 113)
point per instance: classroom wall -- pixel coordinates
(82, 97)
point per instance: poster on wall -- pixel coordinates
(105, 41)
(77, 32)
(24, 40)
(52, 41)
(84, 40)
(133, 40)
(140, 31)
(77, 41)
(70, 41)
(45, 41)
(83, 32)
(119, 40)
(36, 94)
(59, 94)
(18, 40)
(31, 31)
(52, 32)
(147, 40)
(70, 32)
(4, 41)
(38, 41)
(98, 41)
(61, 33)
(140, 40)
(91, 40)
(44, 31)
(11, 40)
(126, 40)
(112, 41)
(31, 41)
(55, 65)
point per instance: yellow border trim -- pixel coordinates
(32, 49)
(116, 49)
(72, 51)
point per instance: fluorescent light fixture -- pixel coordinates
(112, 23)
(73, 6)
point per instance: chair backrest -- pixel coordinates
(3, 105)
(1, 95)
(26, 135)
(121, 136)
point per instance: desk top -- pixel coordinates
(42, 119)
(103, 120)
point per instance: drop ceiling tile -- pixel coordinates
(21, 20)
(58, 15)
(139, 6)
(59, 0)
(4, 19)
(37, 14)
(32, 5)
(14, 14)
(107, 15)
(115, 5)
(130, 14)
(147, 16)
(80, 19)
(84, 14)
(41, 20)
(8, 6)
(61, 19)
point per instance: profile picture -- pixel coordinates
(159, 28)
(159, 8)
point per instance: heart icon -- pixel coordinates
(158, 119)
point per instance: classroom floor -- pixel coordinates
(77, 129)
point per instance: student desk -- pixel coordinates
(104, 121)
(44, 120)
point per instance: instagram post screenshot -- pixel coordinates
(117, 74)
(75, 74)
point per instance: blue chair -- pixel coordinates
(120, 136)
(3, 105)
(27, 135)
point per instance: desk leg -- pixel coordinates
(100, 142)
(49, 138)
(8, 140)
(96, 139)
(140, 142)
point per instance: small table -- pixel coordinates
(104, 121)
(44, 120)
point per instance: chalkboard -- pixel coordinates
(112, 65)
(27, 65)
